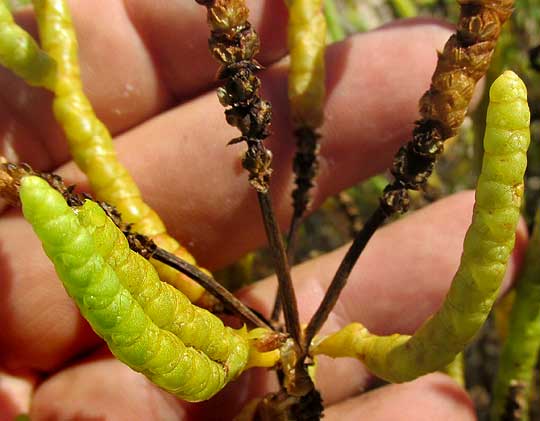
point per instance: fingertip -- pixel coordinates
(15, 394)
(103, 389)
(432, 397)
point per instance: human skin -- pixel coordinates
(157, 97)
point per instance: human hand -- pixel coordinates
(163, 112)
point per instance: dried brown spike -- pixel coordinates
(234, 43)
(226, 15)
(306, 167)
(463, 61)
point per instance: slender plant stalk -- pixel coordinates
(463, 61)
(306, 90)
(340, 278)
(520, 350)
(333, 20)
(211, 285)
(234, 43)
(292, 321)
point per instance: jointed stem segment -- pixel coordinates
(486, 250)
(148, 324)
(20, 53)
(91, 144)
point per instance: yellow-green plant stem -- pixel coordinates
(520, 350)
(456, 370)
(306, 89)
(91, 143)
(21, 54)
(307, 44)
(404, 8)
(146, 323)
(333, 20)
(486, 250)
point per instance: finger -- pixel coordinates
(177, 38)
(15, 394)
(167, 44)
(106, 389)
(398, 282)
(196, 183)
(102, 389)
(431, 397)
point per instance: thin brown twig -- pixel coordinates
(340, 278)
(10, 178)
(211, 285)
(286, 290)
(234, 43)
(291, 247)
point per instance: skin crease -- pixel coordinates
(182, 137)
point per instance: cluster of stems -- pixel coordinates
(55, 66)
(234, 43)
(463, 61)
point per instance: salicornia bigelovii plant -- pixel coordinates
(159, 312)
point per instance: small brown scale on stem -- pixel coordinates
(234, 43)
(515, 402)
(464, 60)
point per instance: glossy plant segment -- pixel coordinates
(486, 250)
(91, 144)
(147, 324)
